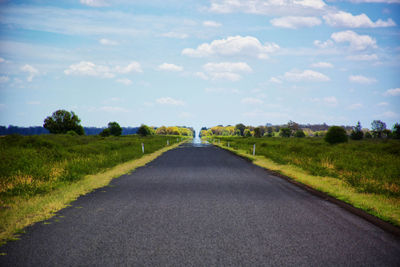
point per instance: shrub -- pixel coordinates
(72, 133)
(335, 135)
(106, 132)
(285, 132)
(246, 133)
(257, 132)
(299, 133)
(368, 135)
(396, 131)
(144, 130)
(357, 133)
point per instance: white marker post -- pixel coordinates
(228, 144)
(254, 149)
(143, 148)
(167, 142)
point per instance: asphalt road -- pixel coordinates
(202, 206)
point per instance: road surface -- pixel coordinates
(201, 205)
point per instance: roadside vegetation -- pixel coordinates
(368, 167)
(40, 174)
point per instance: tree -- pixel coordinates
(368, 135)
(106, 132)
(285, 132)
(293, 126)
(161, 130)
(246, 133)
(270, 130)
(377, 128)
(357, 133)
(62, 121)
(396, 131)
(257, 132)
(115, 129)
(335, 135)
(241, 128)
(144, 130)
(299, 133)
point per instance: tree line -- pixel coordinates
(293, 129)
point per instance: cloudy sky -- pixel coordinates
(200, 63)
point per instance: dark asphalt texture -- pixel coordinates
(202, 206)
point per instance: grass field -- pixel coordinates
(31, 165)
(40, 175)
(364, 173)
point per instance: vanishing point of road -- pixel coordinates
(202, 206)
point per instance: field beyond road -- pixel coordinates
(365, 174)
(202, 206)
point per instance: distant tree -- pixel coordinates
(106, 132)
(357, 133)
(285, 132)
(246, 133)
(173, 130)
(377, 128)
(257, 132)
(270, 131)
(241, 128)
(161, 130)
(396, 131)
(62, 121)
(115, 129)
(237, 132)
(299, 133)
(144, 130)
(293, 126)
(335, 135)
(368, 135)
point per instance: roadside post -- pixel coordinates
(228, 144)
(167, 142)
(143, 148)
(254, 149)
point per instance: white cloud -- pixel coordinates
(233, 45)
(293, 22)
(169, 67)
(355, 106)
(227, 67)
(383, 104)
(325, 44)
(268, 7)
(392, 92)
(132, 67)
(275, 80)
(201, 75)
(94, 3)
(176, 35)
(390, 114)
(87, 68)
(210, 23)
(306, 75)
(361, 79)
(322, 65)
(226, 70)
(357, 42)
(124, 81)
(170, 101)
(31, 70)
(347, 20)
(4, 79)
(114, 109)
(363, 57)
(251, 101)
(108, 42)
(377, 1)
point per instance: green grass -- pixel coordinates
(23, 207)
(364, 173)
(31, 165)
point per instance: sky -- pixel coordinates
(200, 63)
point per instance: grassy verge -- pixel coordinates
(382, 201)
(23, 209)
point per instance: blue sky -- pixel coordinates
(200, 63)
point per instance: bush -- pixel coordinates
(368, 135)
(396, 131)
(257, 132)
(72, 133)
(106, 132)
(246, 133)
(357, 133)
(285, 132)
(144, 130)
(299, 133)
(336, 135)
